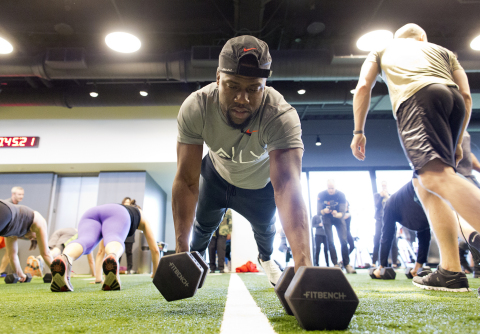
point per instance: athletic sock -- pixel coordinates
(474, 240)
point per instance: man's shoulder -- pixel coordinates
(9, 200)
(275, 104)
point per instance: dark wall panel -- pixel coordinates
(155, 207)
(383, 146)
(38, 189)
(114, 186)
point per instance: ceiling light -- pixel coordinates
(318, 143)
(143, 93)
(301, 91)
(374, 40)
(475, 44)
(93, 93)
(5, 46)
(123, 42)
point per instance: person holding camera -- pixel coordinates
(331, 205)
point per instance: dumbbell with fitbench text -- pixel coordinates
(179, 275)
(319, 298)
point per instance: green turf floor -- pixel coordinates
(385, 307)
(137, 308)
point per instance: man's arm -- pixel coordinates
(185, 192)
(475, 163)
(39, 226)
(361, 104)
(11, 244)
(91, 264)
(285, 171)
(424, 238)
(461, 79)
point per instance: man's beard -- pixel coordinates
(235, 125)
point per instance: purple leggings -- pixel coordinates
(109, 221)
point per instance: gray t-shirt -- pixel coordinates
(465, 165)
(408, 65)
(22, 219)
(240, 158)
(61, 236)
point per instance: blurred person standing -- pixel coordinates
(218, 242)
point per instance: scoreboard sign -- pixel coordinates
(18, 142)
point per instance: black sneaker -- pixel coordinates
(443, 280)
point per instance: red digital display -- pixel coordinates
(19, 142)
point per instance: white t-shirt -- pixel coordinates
(241, 159)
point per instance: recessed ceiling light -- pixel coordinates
(475, 44)
(5, 46)
(93, 94)
(374, 40)
(301, 91)
(123, 42)
(143, 93)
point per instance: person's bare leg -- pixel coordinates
(55, 252)
(443, 223)
(462, 195)
(73, 250)
(4, 263)
(114, 247)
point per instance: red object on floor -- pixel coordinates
(247, 267)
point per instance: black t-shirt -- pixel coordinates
(336, 202)
(135, 218)
(402, 207)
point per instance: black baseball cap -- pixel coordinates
(240, 46)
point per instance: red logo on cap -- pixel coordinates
(245, 50)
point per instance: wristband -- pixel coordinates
(358, 132)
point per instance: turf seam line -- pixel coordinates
(241, 310)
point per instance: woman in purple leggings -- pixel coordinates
(113, 223)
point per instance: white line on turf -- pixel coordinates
(241, 311)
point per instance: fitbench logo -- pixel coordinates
(178, 273)
(324, 295)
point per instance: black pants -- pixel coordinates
(216, 195)
(321, 239)
(217, 246)
(341, 228)
(351, 243)
(376, 240)
(376, 244)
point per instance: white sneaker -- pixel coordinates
(272, 271)
(61, 270)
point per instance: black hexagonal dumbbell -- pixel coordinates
(47, 278)
(282, 286)
(204, 265)
(321, 298)
(385, 273)
(178, 276)
(13, 278)
(423, 271)
(28, 279)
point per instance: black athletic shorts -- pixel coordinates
(429, 124)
